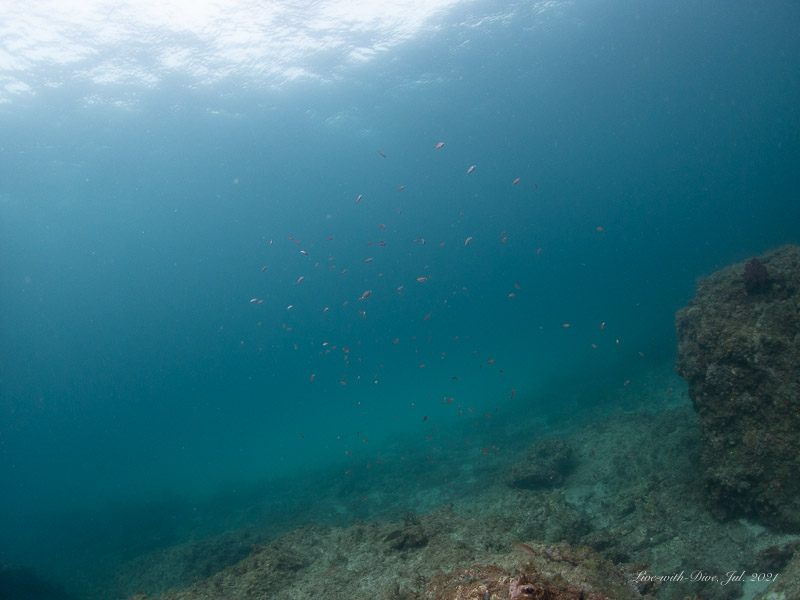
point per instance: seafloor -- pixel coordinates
(624, 480)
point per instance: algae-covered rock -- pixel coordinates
(552, 572)
(739, 350)
(545, 465)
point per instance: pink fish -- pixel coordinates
(467, 241)
(516, 181)
(299, 279)
(365, 295)
(438, 146)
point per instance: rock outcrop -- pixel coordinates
(739, 350)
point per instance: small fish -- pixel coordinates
(299, 279)
(439, 146)
(471, 169)
(468, 241)
(401, 188)
(304, 252)
(264, 268)
(382, 154)
(516, 181)
(359, 197)
(422, 279)
(565, 325)
(524, 548)
(365, 295)
(368, 260)
(600, 229)
(602, 325)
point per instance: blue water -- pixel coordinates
(654, 142)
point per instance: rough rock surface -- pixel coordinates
(545, 465)
(787, 585)
(739, 350)
(558, 572)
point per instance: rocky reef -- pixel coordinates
(739, 351)
(552, 572)
(626, 517)
(545, 465)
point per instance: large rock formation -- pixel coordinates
(739, 350)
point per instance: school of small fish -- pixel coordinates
(374, 300)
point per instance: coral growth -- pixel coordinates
(755, 276)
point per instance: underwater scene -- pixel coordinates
(413, 300)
